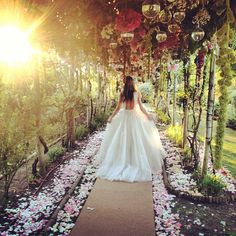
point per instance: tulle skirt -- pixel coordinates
(131, 149)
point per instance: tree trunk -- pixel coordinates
(186, 101)
(168, 94)
(38, 108)
(70, 117)
(209, 117)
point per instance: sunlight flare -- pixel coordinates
(15, 47)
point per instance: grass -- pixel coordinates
(229, 147)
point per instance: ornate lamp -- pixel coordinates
(127, 37)
(198, 34)
(161, 36)
(113, 44)
(179, 16)
(173, 28)
(150, 8)
(165, 16)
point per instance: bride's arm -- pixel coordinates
(116, 109)
(142, 107)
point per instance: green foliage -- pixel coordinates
(162, 117)
(175, 133)
(187, 152)
(212, 185)
(146, 89)
(216, 109)
(81, 132)
(56, 152)
(14, 136)
(99, 121)
(226, 58)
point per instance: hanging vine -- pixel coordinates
(227, 57)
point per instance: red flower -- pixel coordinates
(128, 20)
(141, 31)
(133, 45)
(172, 42)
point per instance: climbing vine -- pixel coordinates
(226, 58)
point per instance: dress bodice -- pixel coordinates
(135, 99)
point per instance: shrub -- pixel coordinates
(81, 132)
(56, 152)
(187, 152)
(99, 121)
(212, 184)
(175, 133)
(163, 117)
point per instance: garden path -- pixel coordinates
(117, 209)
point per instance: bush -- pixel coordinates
(146, 89)
(175, 133)
(56, 152)
(163, 117)
(99, 121)
(81, 132)
(212, 184)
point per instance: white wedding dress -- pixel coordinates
(131, 149)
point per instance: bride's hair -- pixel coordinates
(129, 89)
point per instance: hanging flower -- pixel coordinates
(141, 31)
(107, 31)
(172, 67)
(128, 20)
(134, 45)
(202, 17)
(172, 42)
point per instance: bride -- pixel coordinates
(131, 149)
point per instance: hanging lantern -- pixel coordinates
(150, 8)
(198, 34)
(173, 28)
(170, 1)
(161, 36)
(127, 37)
(165, 16)
(113, 44)
(179, 16)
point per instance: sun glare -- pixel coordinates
(15, 47)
